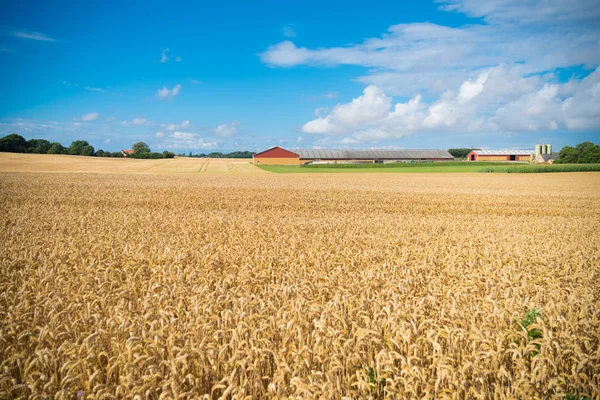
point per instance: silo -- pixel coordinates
(538, 150)
(549, 148)
(544, 149)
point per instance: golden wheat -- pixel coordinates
(299, 286)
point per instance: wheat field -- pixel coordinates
(15, 162)
(251, 286)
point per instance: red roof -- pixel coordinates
(277, 152)
(128, 152)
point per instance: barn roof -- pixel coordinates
(331, 154)
(548, 157)
(274, 147)
(503, 152)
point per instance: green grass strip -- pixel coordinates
(526, 169)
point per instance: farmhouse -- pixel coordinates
(546, 158)
(127, 153)
(280, 156)
(500, 155)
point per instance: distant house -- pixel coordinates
(500, 155)
(127, 153)
(546, 158)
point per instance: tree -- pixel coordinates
(76, 147)
(589, 154)
(56, 148)
(168, 154)
(583, 153)
(460, 152)
(38, 146)
(87, 150)
(99, 153)
(140, 147)
(13, 143)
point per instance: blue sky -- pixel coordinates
(195, 76)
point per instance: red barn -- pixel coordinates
(500, 155)
(276, 156)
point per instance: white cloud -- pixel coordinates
(160, 134)
(107, 141)
(194, 81)
(94, 89)
(288, 31)
(373, 105)
(542, 35)
(138, 121)
(330, 95)
(227, 130)
(164, 57)
(88, 117)
(24, 34)
(521, 12)
(185, 140)
(174, 127)
(499, 99)
(320, 111)
(166, 94)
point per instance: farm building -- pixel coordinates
(279, 156)
(546, 158)
(127, 153)
(500, 155)
(544, 154)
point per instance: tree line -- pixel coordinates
(14, 143)
(583, 153)
(217, 154)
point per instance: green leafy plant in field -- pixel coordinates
(530, 318)
(376, 384)
(571, 396)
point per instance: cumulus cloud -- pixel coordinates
(227, 130)
(88, 117)
(165, 94)
(31, 35)
(160, 135)
(499, 99)
(373, 105)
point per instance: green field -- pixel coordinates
(441, 167)
(524, 169)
